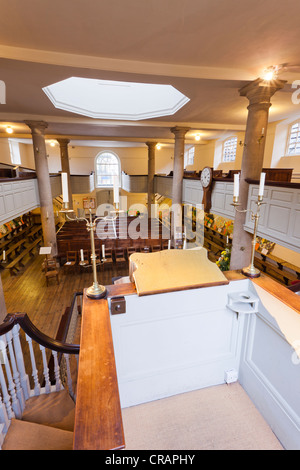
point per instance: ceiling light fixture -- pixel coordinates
(9, 130)
(197, 137)
(52, 144)
(270, 73)
(158, 146)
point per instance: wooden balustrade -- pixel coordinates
(98, 418)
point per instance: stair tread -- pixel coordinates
(23, 435)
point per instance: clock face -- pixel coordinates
(206, 177)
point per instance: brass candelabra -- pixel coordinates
(250, 270)
(95, 291)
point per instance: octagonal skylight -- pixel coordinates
(106, 99)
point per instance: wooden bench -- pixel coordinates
(275, 269)
(14, 265)
(34, 233)
(17, 247)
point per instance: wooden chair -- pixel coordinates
(108, 261)
(156, 248)
(71, 259)
(51, 270)
(130, 250)
(120, 256)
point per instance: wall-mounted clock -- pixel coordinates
(206, 179)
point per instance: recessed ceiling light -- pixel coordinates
(158, 146)
(197, 137)
(106, 99)
(9, 130)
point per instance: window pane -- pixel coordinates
(107, 166)
(229, 149)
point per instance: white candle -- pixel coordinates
(262, 184)
(81, 255)
(116, 190)
(3, 255)
(103, 251)
(64, 184)
(169, 244)
(236, 184)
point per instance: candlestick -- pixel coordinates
(251, 271)
(96, 291)
(261, 184)
(64, 183)
(236, 185)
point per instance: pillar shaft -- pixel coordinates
(178, 171)
(151, 174)
(41, 166)
(259, 94)
(65, 165)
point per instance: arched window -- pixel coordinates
(107, 167)
(229, 149)
(293, 143)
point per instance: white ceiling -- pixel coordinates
(206, 49)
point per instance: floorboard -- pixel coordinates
(27, 292)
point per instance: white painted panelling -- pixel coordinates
(135, 183)
(221, 200)
(172, 343)
(280, 215)
(270, 366)
(168, 343)
(17, 198)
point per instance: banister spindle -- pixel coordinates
(58, 384)
(24, 379)
(37, 387)
(46, 370)
(15, 376)
(5, 394)
(69, 377)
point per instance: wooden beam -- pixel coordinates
(98, 418)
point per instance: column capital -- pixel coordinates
(151, 144)
(260, 92)
(37, 127)
(62, 141)
(179, 131)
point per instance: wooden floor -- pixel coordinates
(27, 292)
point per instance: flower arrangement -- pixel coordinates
(224, 261)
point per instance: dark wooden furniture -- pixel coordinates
(98, 416)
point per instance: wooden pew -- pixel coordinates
(16, 263)
(16, 247)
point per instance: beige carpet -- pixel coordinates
(216, 418)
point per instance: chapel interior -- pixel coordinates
(149, 225)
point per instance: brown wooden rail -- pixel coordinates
(98, 418)
(30, 329)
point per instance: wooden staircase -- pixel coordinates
(34, 416)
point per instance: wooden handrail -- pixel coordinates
(30, 329)
(98, 417)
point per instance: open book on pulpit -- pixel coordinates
(171, 270)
